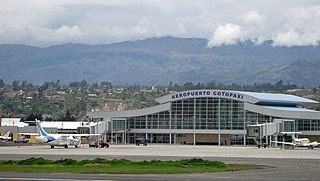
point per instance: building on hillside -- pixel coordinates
(217, 117)
(12, 122)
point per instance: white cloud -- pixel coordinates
(47, 22)
(301, 27)
(293, 38)
(228, 34)
(253, 17)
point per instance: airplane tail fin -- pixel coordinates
(293, 136)
(40, 130)
(7, 134)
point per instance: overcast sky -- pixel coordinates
(50, 22)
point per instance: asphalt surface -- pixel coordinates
(277, 164)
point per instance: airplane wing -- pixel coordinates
(78, 135)
(31, 134)
(290, 133)
(63, 135)
(286, 143)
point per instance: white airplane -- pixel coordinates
(5, 136)
(53, 140)
(298, 142)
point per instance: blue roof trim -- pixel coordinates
(294, 109)
(275, 103)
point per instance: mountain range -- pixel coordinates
(161, 61)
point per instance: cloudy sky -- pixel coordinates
(221, 22)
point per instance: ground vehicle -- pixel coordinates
(93, 144)
(142, 141)
(21, 140)
(103, 144)
(100, 144)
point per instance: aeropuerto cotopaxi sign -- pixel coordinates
(223, 94)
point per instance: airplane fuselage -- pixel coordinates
(305, 142)
(5, 138)
(58, 140)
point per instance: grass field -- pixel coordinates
(122, 166)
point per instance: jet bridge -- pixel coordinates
(262, 133)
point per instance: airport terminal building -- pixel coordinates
(213, 117)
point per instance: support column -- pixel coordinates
(116, 138)
(219, 119)
(170, 138)
(244, 140)
(123, 138)
(111, 132)
(125, 132)
(194, 138)
(267, 136)
(275, 139)
(270, 140)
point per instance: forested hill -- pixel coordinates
(161, 61)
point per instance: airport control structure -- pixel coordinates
(212, 117)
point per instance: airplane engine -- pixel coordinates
(44, 139)
(41, 139)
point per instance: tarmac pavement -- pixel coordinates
(278, 164)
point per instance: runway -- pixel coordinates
(278, 164)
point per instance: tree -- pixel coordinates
(57, 83)
(68, 117)
(1, 83)
(48, 119)
(33, 117)
(15, 85)
(106, 84)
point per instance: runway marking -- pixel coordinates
(12, 178)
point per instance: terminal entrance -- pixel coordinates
(210, 139)
(151, 137)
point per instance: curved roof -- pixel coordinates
(251, 97)
(130, 113)
(279, 98)
(283, 112)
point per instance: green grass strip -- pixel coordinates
(122, 166)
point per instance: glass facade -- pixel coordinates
(209, 114)
(151, 121)
(256, 118)
(118, 125)
(308, 125)
(195, 113)
(299, 125)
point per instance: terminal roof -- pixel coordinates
(277, 98)
(250, 97)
